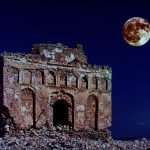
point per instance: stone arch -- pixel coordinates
(94, 83)
(39, 76)
(26, 76)
(28, 114)
(104, 84)
(50, 78)
(67, 100)
(74, 81)
(84, 82)
(14, 75)
(63, 80)
(92, 112)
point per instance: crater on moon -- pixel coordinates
(136, 31)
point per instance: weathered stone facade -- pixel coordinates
(54, 85)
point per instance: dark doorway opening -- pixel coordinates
(61, 113)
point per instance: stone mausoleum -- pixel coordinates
(54, 84)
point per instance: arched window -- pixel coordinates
(84, 83)
(14, 75)
(39, 77)
(50, 78)
(74, 82)
(104, 84)
(63, 80)
(27, 77)
(94, 83)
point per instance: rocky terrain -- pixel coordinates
(62, 138)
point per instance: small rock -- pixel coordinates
(6, 128)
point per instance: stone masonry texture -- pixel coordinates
(54, 84)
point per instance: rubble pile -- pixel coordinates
(62, 138)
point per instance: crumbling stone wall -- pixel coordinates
(55, 84)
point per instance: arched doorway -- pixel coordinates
(61, 113)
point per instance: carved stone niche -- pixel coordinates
(39, 77)
(94, 83)
(74, 81)
(26, 76)
(13, 76)
(50, 78)
(104, 84)
(63, 80)
(84, 83)
(92, 112)
(27, 108)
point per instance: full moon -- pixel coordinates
(136, 31)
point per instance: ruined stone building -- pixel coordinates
(54, 84)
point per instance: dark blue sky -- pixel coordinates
(97, 25)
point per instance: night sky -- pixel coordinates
(97, 25)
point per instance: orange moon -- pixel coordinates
(136, 31)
